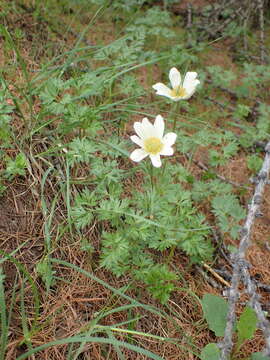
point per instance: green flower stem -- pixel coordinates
(175, 111)
(164, 167)
(153, 184)
(171, 254)
(151, 174)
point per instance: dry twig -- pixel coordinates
(240, 264)
(216, 275)
(221, 177)
(189, 24)
(251, 289)
(261, 21)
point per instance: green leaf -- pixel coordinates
(2, 188)
(259, 356)
(91, 339)
(241, 111)
(229, 212)
(81, 216)
(159, 280)
(254, 163)
(246, 325)
(81, 150)
(216, 319)
(210, 352)
(46, 272)
(17, 166)
(232, 249)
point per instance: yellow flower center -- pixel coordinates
(153, 145)
(178, 92)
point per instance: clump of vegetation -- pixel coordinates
(142, 219)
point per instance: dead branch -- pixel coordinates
(263, 323)
(239, 263)
(189, 24)
(221, 105)
(221, 177)
(261, 22)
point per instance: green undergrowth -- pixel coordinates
(244, 328)
(81, 105)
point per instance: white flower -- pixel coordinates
(179, 91)
(151, 140)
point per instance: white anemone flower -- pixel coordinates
(179, 91)
(151, 141)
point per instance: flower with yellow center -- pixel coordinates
(151, 141)
(179, 91)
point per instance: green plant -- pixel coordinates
(5, 110)
(229, 213)
(66, 117)
(245, 327)
(254, 163)
(16, 166)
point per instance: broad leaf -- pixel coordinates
(215, 310)
(259, 356)
(210, 352)
(246, 325)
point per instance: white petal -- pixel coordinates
(155, 159)
(162, 90)
(139, 129)
(169, 139)
(189, 78)
(167, 150)
(136, 140)
(148, 128)
(175, 78)
(146, 122)
(159, 126)
(191, 89)
(144, 129)
(138, 154)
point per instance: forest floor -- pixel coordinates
(76, 300)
